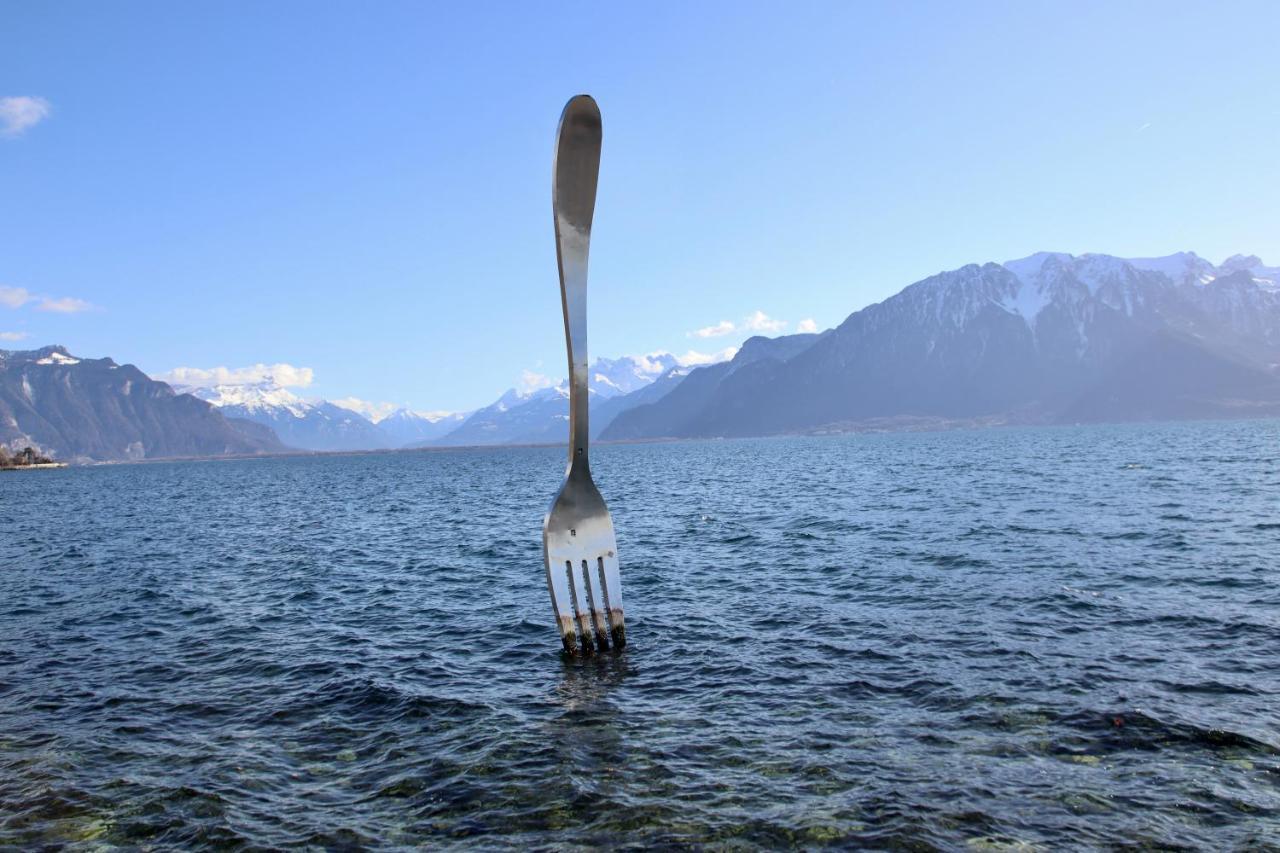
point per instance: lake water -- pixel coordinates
(993, 639)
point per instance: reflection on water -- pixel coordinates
(587, 682)
(992, 640)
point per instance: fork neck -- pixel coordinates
(576, 170)
(573, 289)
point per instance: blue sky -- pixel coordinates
(363, 189)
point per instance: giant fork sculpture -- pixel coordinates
(577, 535)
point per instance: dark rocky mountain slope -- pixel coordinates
(94, 409)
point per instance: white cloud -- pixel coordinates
(13, 336)
(757, 321)
(693, 358)
(21, 113)
(762, 322)
(63, 305)
(724, 327)
(807, 326)
(649, 363)
(14, 297)
(532, 381)
(284, 375)
(373, 411)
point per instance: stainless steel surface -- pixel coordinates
(577, 535)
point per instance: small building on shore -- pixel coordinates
(27, 457)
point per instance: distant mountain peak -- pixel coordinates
(17, 355)
(610, 377)
(54, 355)
(404, 413)
(254, 397)
(1180, 267)
(1241, 262)
(57, 355)
(1263, 275)
(405, 427)
(305, 424)
(1029, 267)
(536, 416)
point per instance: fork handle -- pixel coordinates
(573, 201)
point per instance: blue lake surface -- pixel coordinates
(1001, 639)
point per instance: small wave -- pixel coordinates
(956, 561)
(369, 699)
(1133, 729)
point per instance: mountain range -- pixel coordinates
(541, 416)
(94, 409)
(1050, 338)
(319, 425)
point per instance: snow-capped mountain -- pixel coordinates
(613, 377)
(259, 397)
(517, 417)
(542, 416)
(306, 425)
(1051, 337)
(405, 426)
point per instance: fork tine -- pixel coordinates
(581, 610)
(593, 584)
(562, 603)
(607, 571)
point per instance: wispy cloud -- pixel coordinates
(284, 375)
(693, 358)
(807, 326)
(20, 113)
(1145, 125)
(650, 363)
(13, 336)
(373, 411)
(762, 322)
(724, 327)
(63, 305)
(531, 380)
(757, 321)
(14, 297)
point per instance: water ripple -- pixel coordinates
(998, 640)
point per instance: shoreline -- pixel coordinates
(862, 428)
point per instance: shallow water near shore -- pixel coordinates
(995, 639)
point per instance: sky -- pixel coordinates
(360, 192)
